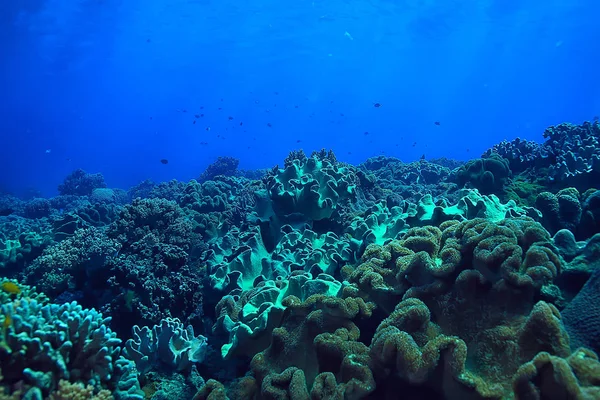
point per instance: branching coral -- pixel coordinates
(48, 342)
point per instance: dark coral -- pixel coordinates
(576, 150)
(582, 315)
(37, 208)
(560, 211)
(81, 183)
(171, 190)
(555, 378)
(141, 190)
(488, 175)
(73, 265)
(221, 166)
(590, 218)
(151, 278)
(521, 154)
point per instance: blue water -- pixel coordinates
(114, 86)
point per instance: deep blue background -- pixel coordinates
(103, 84)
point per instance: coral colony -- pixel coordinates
(318, 279)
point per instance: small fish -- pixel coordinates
(10, 287)
(194, 122)
(348, 35)
(298, 141)
(204, 143)
(276, 93)
(202, 115)
(241, 123)
(437, 123)
(208, 128)
(48, 151)
(164, 161)
(202, 107)
(269, 125)
(366, 133)
(468, 150)
(414, 144)
(197, 116)
(68, 159)
(376, 105)
(221, 99)
(423, 157)
(150, 117)
(220, 108)
(295, 106)
(255, 101)
(596, 118)
(230, 118)
(147, 40)
(341, 114)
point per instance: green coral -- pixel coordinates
(250, 317)
(315, 188)
(523, 191)
(316, 350)
(488, 175)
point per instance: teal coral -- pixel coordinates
(49, 342)
(15, 253)
(169, 344)
(250, 319)
(315, 188)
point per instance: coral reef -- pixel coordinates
(434, 279)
